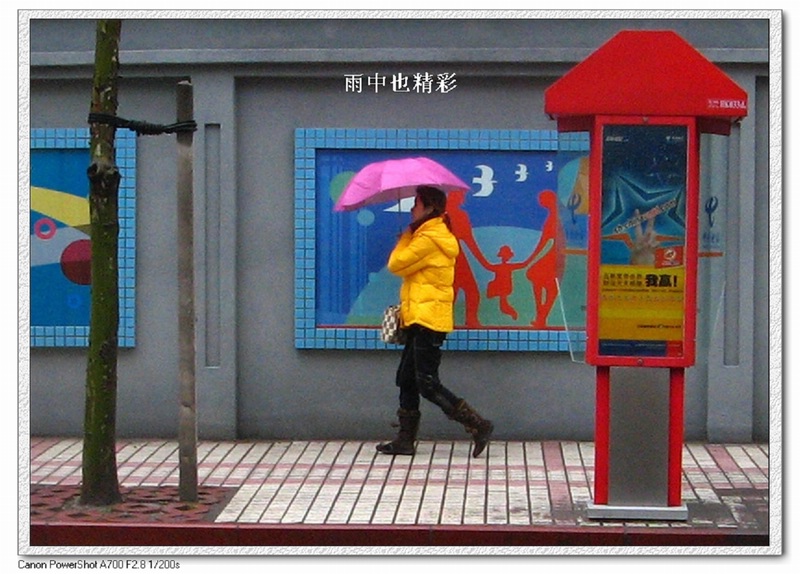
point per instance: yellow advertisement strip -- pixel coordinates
(637, 330)
(641, 303)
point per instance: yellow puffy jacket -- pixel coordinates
(426, 260)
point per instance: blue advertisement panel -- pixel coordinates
(60, 241)
(521, 227)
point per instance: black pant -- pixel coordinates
(418, 373)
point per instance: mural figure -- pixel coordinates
(549, 260)
(502, 285)
(465, 279)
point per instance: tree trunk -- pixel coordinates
(100, 484)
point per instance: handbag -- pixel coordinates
(391, 332)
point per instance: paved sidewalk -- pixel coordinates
(317, 493)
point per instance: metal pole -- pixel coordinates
(187, 420)
(602, 434)
(677, 384)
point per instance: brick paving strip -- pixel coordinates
(140, 505)
(518, 484)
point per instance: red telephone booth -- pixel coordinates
(644, 97)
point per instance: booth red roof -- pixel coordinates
(646, 73)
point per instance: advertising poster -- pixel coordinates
(643, 241)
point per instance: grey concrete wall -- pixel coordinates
(255, 82)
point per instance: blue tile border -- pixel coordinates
(308, 335)
(125, 148)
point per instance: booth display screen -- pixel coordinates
(642, 259)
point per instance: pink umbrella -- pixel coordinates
(393, 180)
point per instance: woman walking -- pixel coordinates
(424, 258)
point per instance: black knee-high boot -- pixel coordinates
(480, 428)
(406, 436)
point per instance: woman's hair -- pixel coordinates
(432, 197)
(436, 199)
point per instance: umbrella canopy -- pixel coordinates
(395, 179)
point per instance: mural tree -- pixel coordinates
(100, 485)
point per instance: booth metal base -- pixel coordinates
(607, 511)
